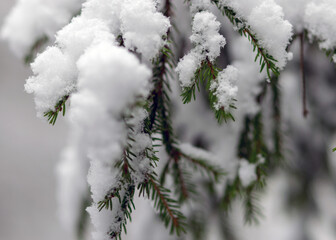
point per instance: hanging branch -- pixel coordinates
(59, 107)
(277, 131)
(302, 68)
(206, 74)
(167, 207)
(265, 59)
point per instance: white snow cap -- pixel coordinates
(319, 20)
(143, 27)
(225, 87)
(266, 20)
(199, 5)
(207, 44)
(111, 80)
(55, 77)
(247, 172)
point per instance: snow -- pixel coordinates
(77, 36)
(55, 77)
(199, 5)
(225, 87)
(143, 27)
(198, 153)
(319, 20)
(205, 35)
(273, 32)
(266, 20)
(106, 10)
(247, 172)
(187, 67)
(107, 90)
(207, 44)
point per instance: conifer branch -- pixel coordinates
(206, 74)
(265, 59)
(59, 107)
(277, 130)
(167, 207)
(215, 171)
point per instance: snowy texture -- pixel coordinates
(266, 20)
(106, 10)
(319, 19)
(225, 88)
(207, 42)
(247, 172)
(187, 67)
(31, 20)
(98, 108)
(143, 27)
(55, 69)
(205, 35)
(77, 36)
(273, 32)
(199, 5)
(55, 77)
(294, 12)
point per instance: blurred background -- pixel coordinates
(29, 151)
(298, 204)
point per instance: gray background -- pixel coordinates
(29, 151)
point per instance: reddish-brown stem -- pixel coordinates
(302, 67)
(164, 202)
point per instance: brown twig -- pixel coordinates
(165, 203)
(302, 67)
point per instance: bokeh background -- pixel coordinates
(30, 150)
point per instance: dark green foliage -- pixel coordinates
(252, 208)
(204, 166)
(167, 207)
(59, 107)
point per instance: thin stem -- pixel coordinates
(164, 202)
(302, 67)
